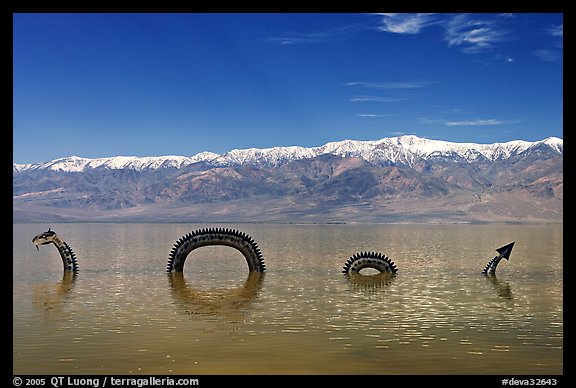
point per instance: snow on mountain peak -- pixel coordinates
(401, 149)
(555, 143)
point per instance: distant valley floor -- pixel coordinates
(500, 207)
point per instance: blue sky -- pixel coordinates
(146, 84)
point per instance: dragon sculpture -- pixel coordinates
(215, 236)
(374, 260)
(249, 249)
(68, 256)
(503, 253)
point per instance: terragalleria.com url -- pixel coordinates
(104, 381)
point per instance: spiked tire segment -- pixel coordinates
(373, 260)
(69, 258)
(216, 236)
(503, 253)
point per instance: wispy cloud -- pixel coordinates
(404, 23)
(557, 30)
(373, 115)
(425, 120)
(376, 99)
(553, 54)
(548, 55)
(468, 32)
(340, 33)
(390, 85)
(475, 122)
(447, 109)
(473, 35)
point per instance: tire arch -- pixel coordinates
(216, 236)
(374, 260)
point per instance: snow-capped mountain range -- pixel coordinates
(392, 150)
(395, 179)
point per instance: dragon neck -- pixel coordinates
(491, 266)
(68, 256)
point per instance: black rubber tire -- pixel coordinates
(216, 236)
(374, 260)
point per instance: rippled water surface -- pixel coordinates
(123, 314)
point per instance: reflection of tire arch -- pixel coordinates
(47, 297)
(374, 260)
(215, 236)
(216, 301)
(370, 282)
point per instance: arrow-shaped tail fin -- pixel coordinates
(506, 250)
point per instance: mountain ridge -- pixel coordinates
(401, 148)
(398, 179)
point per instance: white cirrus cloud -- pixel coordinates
(426, 120)
(475, 122)
(548, 55)
(473, 35)
(373, 115)
(557, 30)
(340, 33)
(376, 99)
(406, 23)
(554, 53)
(390, 85)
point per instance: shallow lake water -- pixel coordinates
(123, 314)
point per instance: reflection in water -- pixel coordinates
(216, 301)
(362, 282)
(502, 288)
(441, 316)
(49, 296)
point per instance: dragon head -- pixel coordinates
(44, 238)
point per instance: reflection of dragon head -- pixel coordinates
(66, 253)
